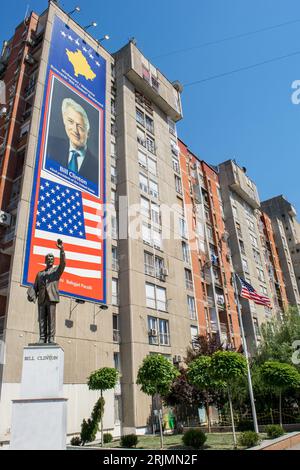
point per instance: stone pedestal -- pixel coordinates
(39, 418)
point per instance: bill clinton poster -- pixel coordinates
(69, 181)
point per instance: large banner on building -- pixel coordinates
(68, 193)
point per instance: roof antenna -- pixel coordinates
(26, 13)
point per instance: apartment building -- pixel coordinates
(208, 262)
(151, 302)
(287, 237)
(248, 246)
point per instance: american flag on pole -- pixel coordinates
(248, 292)
(75, 217)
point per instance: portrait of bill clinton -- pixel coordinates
(70, 147)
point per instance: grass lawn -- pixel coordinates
(215, 441)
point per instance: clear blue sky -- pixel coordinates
(249, 115)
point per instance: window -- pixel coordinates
(118, 408)
(150, 144)
(185, 252)
(143, 181)
(242, 247)
(150, 296)
(264, 290)
(145, 207)
(152, 166)
(115, 292)
(194, 333)
(141, 137)
(164, 333)
(116, 329)
(157, 238)
(260, 274)
(115, 263)
(253, 240)
(175, 164)
(114, 227)
(153, 265)
(155, 213)
(117, 361)
(113, 174)
(178, 185)
(251, 225)
(153, 330)
(192, 307)
(245, 265)
(149, 124)
(140, 117)
(172, 127)
(257, 257)
(142, 159)
(182, 228)
(256, 326)
(234, 211)
(153, 188)
(188, 279)
(113, 149)
(156, 297)
(238, 228)
(174, 148)
(113, 107)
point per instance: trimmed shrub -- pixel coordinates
(75, 441)
(90, 427)
(249, 439)
(107, 437)
(245, 425)
(130, 440)
(274, 430)
(194, 438)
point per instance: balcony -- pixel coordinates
(189, 284)
(156, 88)
(241, 184)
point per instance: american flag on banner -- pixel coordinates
(248, 292)
(74, 217)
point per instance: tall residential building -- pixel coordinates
(287, 237)
(151, 292)
(248, 246)
(276, 279)
(206, 253)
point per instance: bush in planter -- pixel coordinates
(75, 441)
(245, 425)
(194, 438)
(130, 440)
(274, 431)
(107, 437)
(249, 439)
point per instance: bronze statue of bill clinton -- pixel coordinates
(45, 289)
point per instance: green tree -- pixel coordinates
(229, 367)
(280, 377)
(278, 337)
(155, 376)
(102, 379)
(200, 374)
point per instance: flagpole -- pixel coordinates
(246, 356)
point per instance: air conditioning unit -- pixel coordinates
(30, 42)
(177, 359)
(165, 272)
(29, 59)
(5, 219)
(152, 332)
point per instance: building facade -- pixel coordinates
(248, 246)
(209, 262)
(287, 237)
